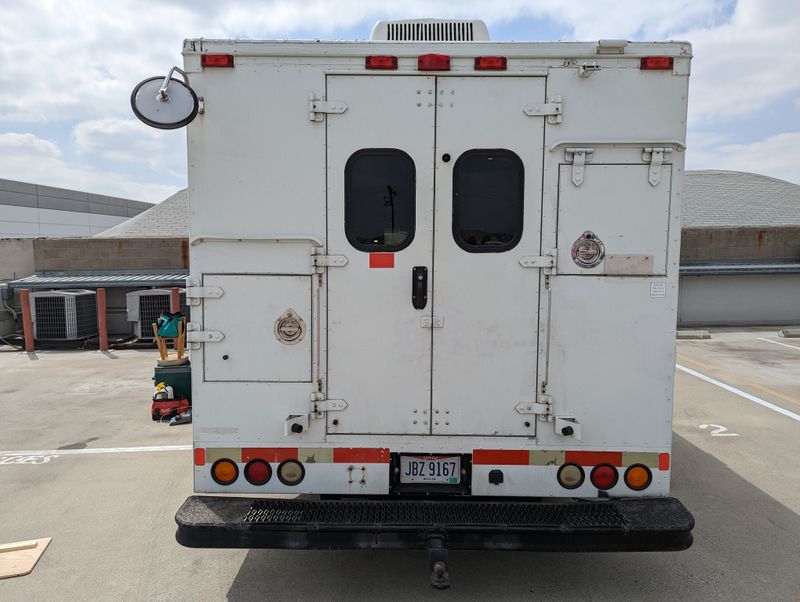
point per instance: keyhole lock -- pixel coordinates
(225, 356)
(446, 157)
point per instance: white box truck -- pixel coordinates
(433, 290)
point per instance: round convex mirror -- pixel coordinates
(175, 108)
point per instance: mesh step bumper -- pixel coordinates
(640, 524)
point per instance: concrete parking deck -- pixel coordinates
(104, 482)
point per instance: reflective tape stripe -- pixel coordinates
(507, 457)
(378, 455)
(593, 458)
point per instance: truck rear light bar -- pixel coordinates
(380, 61)
(656, 63)
(216, 60)
(433, 62)
(490, 63)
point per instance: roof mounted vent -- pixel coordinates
(431, 30)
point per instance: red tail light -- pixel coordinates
(257, 472)
(656, 63)
(381, 62)
(216, 60)
(433, 62)
(604, 476)
(490, 63)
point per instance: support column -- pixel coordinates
(27, 320)
(102, 319)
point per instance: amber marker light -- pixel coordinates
(638, 477)
(224, 471)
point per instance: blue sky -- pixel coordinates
(67, 68)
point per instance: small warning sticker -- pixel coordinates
(658, 289)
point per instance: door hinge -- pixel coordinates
(203, 336)
(655, 156)
(195, 294)
(539, 261)
(553, 109)
(320, 260)
(578, 157)
(318, 107)
(320, 405)
(542, 407)
(431, 322)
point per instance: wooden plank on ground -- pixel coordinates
(19, 558)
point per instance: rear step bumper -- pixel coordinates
(638, 524)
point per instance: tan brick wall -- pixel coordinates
(16, 258)
(740, 244)
(65, 254)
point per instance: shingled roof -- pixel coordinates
(168, 219)
(735, 199)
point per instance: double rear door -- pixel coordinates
(434, 196)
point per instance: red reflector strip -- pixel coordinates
(216, 60)
(656, 62)
(592, 458)
(381, 260)
(199, 456)
(500, 456)
(269, 454)
(490, 63)
(663, 461)
(433, 62)
(381, 62)
(376, 455)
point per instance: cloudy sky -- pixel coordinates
(67, 68)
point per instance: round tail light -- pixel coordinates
(224, 471)
(604, 476)
(638, 477)
(257, 472)
(570, 476)
(291, 472)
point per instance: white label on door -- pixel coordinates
(658, 289)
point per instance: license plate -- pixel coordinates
(430, 469)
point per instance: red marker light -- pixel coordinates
(381, 62)
(216, 60)
(656, 63)
(604, 476)
(490, 63)
(433, 62)
(257, 472)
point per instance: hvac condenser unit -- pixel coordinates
(66, 315)
(146, 305)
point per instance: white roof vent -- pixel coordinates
(431, 30)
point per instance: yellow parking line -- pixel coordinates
(739, 379)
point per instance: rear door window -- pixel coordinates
(488, 193)
(379, 199)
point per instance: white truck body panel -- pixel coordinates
(502, 356)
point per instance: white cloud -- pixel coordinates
(80, 59)
(746, 64)
(129, 140)
(775, 156)
(32, 159)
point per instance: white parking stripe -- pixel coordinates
(739, 392)
(97, 450)
(779, 343)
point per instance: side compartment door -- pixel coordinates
(488, 217)
(380, 216)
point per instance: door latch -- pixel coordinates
(318, 107)
(419, 286)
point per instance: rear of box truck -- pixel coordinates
(433, 290)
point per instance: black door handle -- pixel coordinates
(419, 287)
